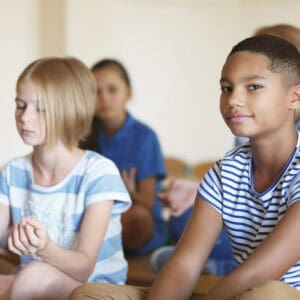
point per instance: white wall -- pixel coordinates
(19, 46)
(173, 49)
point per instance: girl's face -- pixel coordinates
(112, 94)
(30, 115)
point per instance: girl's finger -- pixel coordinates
(23, 236)
(11, 246)
(16, 239)
(32, 238)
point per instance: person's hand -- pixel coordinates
(27, 237)
(129, 180)
(179, 195)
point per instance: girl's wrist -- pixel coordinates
(42, 252)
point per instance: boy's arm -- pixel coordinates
(180, 274)
(275, 255)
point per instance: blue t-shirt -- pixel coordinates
(136, 145)
(61, 207)
(249, 216)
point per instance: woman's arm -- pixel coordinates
(275, 255)
(179, 195)
(181, 272)
(142, 192)
(78, 263)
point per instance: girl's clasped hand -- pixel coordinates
(27, 237)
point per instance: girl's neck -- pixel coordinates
(52, 165)
(111, 126)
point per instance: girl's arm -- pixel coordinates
(4, 222)
(181, 272)
(275, 255)
(80, 263)
(32, 237)
(143, 192)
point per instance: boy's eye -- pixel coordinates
(253, 87)
(226, 89)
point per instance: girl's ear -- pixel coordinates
(295, 97)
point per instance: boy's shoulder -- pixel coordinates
(240, 152)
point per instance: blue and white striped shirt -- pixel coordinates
(247, 215)
(61, 207)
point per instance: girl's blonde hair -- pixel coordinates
(67, 91)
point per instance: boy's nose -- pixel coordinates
(235, 100)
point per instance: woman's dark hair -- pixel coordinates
(91, 141)
(112, 63)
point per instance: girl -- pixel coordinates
(135, 149)
(64, 203)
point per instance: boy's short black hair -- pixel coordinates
(284, 57)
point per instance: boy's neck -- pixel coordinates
(270, 157)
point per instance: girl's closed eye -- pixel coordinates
(20, 104)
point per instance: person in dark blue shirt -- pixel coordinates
(135, 149)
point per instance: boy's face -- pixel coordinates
(254, 101)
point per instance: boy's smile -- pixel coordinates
(254, 100)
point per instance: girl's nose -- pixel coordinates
(26, 116)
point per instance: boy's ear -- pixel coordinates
(295, 97)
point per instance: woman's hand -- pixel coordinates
(129, 180)
(179, 195)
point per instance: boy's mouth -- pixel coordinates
(237, 118)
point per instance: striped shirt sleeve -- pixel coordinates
(210, 188)
(294, 191)
(4, 188)
(105, 183)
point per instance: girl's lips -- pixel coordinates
(27, 132)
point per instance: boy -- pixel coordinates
(254, 190)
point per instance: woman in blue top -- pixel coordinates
(135, 149)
